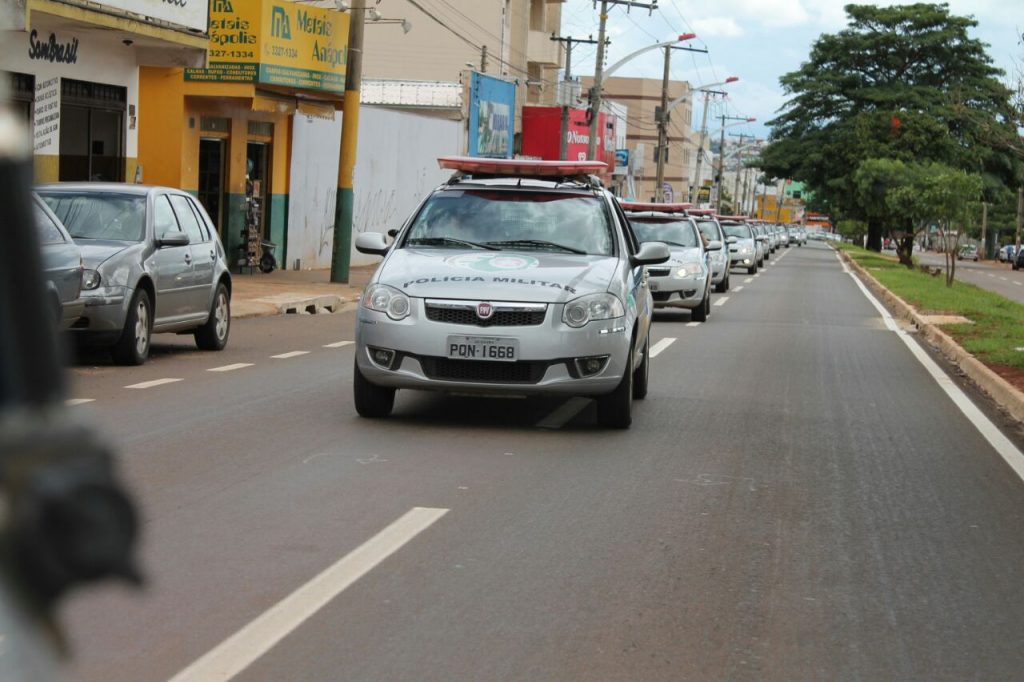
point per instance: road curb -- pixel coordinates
(283, 304)
(1006, 395)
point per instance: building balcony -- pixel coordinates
(540, 49)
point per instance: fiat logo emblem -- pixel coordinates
(484, 311)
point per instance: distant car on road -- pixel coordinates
(968, 252)
(1018, 262)
(1006, 254)
(153, 263)
(62, 266)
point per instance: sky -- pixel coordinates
(756, 40)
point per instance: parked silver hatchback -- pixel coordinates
(153, 263)
(514, 278)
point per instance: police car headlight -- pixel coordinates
(689, 271)
(90, 279)
(603, 306)
(746, 249)
(385, 299)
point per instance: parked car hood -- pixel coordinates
(526, 276)
(96, 251)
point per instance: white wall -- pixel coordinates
(396, 167)
(313, 190)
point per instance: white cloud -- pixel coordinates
(714, 27)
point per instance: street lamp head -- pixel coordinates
(732, 79)
(687, 36)
(751, 120)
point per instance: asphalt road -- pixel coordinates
(797, 499)
(991, 275)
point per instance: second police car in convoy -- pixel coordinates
(513, 278)
(685, 281)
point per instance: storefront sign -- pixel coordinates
(46, 117)
(491, 103)
(51, 49)
(188, 13)
(276, 43)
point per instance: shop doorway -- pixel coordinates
(92, 131)
(212, 166)
(258, 166)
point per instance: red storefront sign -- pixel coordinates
(542, 135)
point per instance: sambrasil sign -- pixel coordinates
(275, 43)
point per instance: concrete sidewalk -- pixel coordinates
(295, 291)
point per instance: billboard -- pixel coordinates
(492, 106)
(274, 42)
(542, 134)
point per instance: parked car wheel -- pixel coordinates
(641, 375)
(372, 401)
(132, 348)
(615, 410)
(214, 334)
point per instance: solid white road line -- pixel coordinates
(566, 411)
(230, 368)
(292, 354)
(739, 288)
(155, 382)
(339, 344)
(722, 300)
(1000, 443)
(661, 345)
(78, 401)
(244, 647)
(693, 324)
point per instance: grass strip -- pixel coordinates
(998, 329)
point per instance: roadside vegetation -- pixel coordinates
(997, 330)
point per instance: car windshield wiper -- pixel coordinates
(688, 246)
(537, 243)
(448, 241)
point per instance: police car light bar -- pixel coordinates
(700, 211)
(660, 208)
(737, 218)
(520, 167)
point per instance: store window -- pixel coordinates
(92, 131)
(23, 88)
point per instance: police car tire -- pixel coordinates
(641, 374)
(615, 409)
(752, 270)
(700, 313)
(372, 401)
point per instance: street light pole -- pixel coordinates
(659, 183)
(344, 203)
(595, 90)
(563, 146)
(700, 148)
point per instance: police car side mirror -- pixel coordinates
(372, 243)
(650, 253)
(730, 240)
(714, 246)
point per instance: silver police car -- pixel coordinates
(685, 281)
(745, 251)
(709, 226)
(514, 278)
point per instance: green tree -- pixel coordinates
(905, 83)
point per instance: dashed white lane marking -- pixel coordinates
(748, 280)
(757, 275)
(241, 649)
(155, 382)
(739, 288)
(992, 276)
(339, 344)
(292, 354)
(1018, 283)
(721, 301)
(693, 324)
(231, 368)
(78, 401)
(566, 411)
(1000, 443)
(660, 346)
(1004, 279)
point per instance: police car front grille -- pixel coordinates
(658, 272)
(501, 318)
(484, 371)
(661, 296)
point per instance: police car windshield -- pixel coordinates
(514, 221)
(671, 232)
(738, 230)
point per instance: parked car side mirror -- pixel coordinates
(651, 253)
(172, 238)
(372, 243)
(714, 245)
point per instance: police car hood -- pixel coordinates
(522, 276)
(682, 255)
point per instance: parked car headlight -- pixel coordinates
(385, 299)
(602, 306)
(90, 279)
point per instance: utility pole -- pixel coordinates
(743, 195)
(1020, 218)
(341, 256)
(984, 230)
(595, 91)
(700, 149)
(659, 183)
(563, 146)
(719, 183)
(736, 184)
(483, 59)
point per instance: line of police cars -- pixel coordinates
(521, 278)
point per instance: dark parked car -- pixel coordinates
(62, 266)
(1018, 262)
(153, 263)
